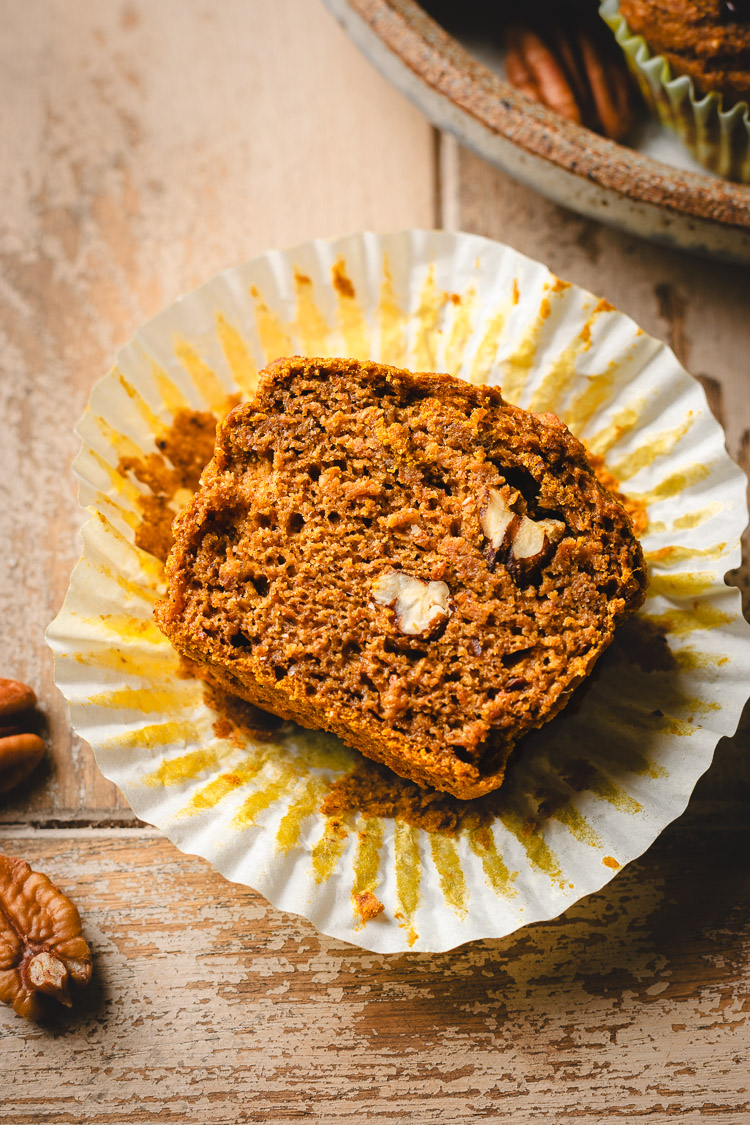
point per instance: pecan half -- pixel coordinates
(574, 69)
(522, 543)
(420, 608)
(42, 949)
(534, 68)
(15, 697)
(21, 749)
(19, 754)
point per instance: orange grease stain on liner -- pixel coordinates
(123, 445)
(482, 843)
(461, 330)
(432, 302)
(121, 483)
(134, 590)
(484, 361)
(150, 568)
(408, 875)
(673, 484)
(584, 406)
(187, 694)
(516, 367)
(157, 734)
(623, 422)
(266, 795)
(140, 663)
(674, 554)
(171, 395)
(695, 519)
(660, 444)
(688, 659)
(272, 332)
(350, 315)
(132, 519)
(393, 322)
(311, 326)
(237, 354)
(207, 382)
(187, 767)
(153, 421)
(645, 722)
(367, 859)
(328, 850)
(682, 584)
(131, 630)
(301, 809)
(702, 615)
(608, 790)
(569, 816)
(222, 786)
(562, 371)
(450, 873)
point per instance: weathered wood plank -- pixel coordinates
(207, 1002)
(146, 145)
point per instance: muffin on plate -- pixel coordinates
(692, 61)
(708, 40)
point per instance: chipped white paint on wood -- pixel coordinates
(207, 1004)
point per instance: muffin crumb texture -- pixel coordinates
(707, 40)
(405, 560)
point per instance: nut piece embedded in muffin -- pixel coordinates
(403, 559)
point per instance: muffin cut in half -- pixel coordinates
(405, 560)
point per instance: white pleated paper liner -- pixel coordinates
(718, 137)
(586, 794)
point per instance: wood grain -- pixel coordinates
(146, 145)
(209, 1004)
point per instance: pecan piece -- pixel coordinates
(534, 68)
(42, 949)
(420, 608)
(611, 90)
(523, 543)
(574, 69)
(15, 697)
(532, 545)
(21, 749)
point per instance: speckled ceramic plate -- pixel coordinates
(601, 179)
(588, 792)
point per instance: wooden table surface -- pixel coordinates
(147, 144)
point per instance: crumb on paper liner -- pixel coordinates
(280, 808)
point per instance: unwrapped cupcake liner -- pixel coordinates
(588, 792)
(718, 138)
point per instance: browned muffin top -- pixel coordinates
(708, 40)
